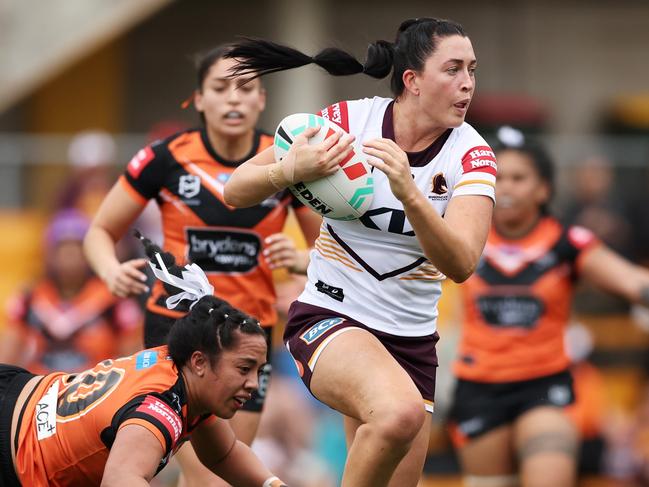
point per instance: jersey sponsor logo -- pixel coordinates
(145, 359)
(140, 161)
(158, 409)
(395, 224)
(338, 114)
(480, 158)
(336, 293)
(319, 329)
(222, 250)
(511, 311)
(45, 413)
(87, 390)
(189, 185)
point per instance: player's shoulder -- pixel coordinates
(191, 136)
(467, 135)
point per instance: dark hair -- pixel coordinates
(415, 41)
(206, 60)
(211, 324)
(210, 327)
(540, 158)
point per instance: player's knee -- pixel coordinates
(401, 423)
(563, 443)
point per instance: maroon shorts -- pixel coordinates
(311, 328)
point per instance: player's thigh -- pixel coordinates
(546, 441)
(489, 454)
(357, 376)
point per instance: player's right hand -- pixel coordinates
(305, 162)
(126, 278)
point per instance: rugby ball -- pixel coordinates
(346, 194)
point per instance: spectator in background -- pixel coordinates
(68, 319)
(639, 218)
(597, 206)
(92, 156)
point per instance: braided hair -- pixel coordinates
(210, 326)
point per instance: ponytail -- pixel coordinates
(258, 57)
(415, 41)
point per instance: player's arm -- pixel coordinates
(259, 177)
(455, 242)
(115, 215)
(219, 450)
(133, 459)
(611, 272)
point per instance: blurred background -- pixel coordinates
(84, 84)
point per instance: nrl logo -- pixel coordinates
(189, 185)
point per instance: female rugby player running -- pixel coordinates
(363, 331)
(119, 423)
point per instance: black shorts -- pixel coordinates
(156, 330)
(12, 381)
(479, 407)
(310, 329)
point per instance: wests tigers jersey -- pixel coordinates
(71, 334)
(70, 421)
(373, 269)
(186, 177)
(518, 303)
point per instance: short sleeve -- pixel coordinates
(477, 172)
(156, 415)
(147, 169)
(577, 242)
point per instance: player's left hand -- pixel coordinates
(390, 159)
(280, 252)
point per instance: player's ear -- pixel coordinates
(198, 100)
(199, 363)
(411, 81)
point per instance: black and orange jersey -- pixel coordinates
(72, 334)
(70, 421)
(518, 303)
(186, 177)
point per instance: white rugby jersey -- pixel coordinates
(373, 269)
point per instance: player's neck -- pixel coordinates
(231, 148)
(409, 132)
